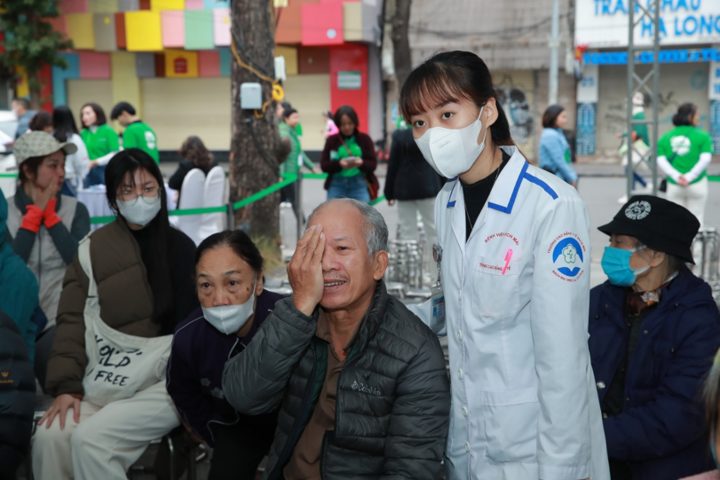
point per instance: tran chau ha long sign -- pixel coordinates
(666, 56)
(604, 23)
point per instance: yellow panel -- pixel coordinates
(143, 31)
(310, 96)
(80, 29)
(80, 92)
(23, 89)
(168, 101)
(125, 83)
(181, 64)
(291, 58)
(157, 5)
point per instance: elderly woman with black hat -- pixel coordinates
(654, 329)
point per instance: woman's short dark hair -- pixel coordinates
(240, 243)
(40, 121)
(193, 150)
(100, 118)
(351, 114)
(159, 238)
(684, 114)
(288, 111)
(550, 116)
(64, 123)
(31, 164)
(450, 77)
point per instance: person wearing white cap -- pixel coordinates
(45, 226)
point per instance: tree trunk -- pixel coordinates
(253, 165)
(35, 88)
(401, 43)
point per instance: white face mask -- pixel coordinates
(229, 319)
(452, 151)
(140, 211)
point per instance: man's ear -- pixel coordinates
(380, 263)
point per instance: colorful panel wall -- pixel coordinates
(194, 4)
(102, 6)
(221, 27)
(120, 34)
(73, 6)
(145, 65)
(157, 5)
(289, 27)
(322, 24)
(59, 76)
(346, 62)
(143, 31)
(209, 63)
(104, 30)
(291, 58)
(313, 60)
(199, 30)
(128, 5)
(211, 4)
(94, 65)
(225, 62)
(173, 28)
(80, 30)
(181, 64)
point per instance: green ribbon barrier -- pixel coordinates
(289, 178)
(377, 200)
(315, 176)
(8, 175)
(714, 178)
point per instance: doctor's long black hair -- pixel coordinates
(449, 77)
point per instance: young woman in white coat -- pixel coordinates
(514, 259)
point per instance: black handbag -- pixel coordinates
(663, 184)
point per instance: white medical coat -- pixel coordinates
(524, 404)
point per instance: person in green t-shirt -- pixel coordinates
(101, 141)
(296, 157)
(137, 134)
(684, 154)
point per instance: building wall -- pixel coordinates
(678, 84)
(80, 92)
(309, 96)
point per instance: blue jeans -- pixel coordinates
(349, 187)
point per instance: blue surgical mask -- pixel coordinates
(616, 265)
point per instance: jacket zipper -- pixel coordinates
(296, 430)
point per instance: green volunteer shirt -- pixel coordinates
(140, 135)
(342, 153)
(100, 142)
(682, 147)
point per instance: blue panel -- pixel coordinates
(210, 4)
(59, 76)
(224, 61)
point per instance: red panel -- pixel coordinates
(2, 42)
(159, 65)
(120, 38)
(350, 58)
(73, 6)
(322, 24)
(289, 27)
(46, 88)
(94, 65)
(58, 24)
(313, 60)
(209, 63)
(144, 4)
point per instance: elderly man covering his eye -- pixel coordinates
(360, 380)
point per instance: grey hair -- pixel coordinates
(376, 231)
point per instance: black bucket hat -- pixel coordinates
(660, 224)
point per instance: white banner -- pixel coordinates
(604, 23)
(587, 90)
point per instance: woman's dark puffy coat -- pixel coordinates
(17, 396)
(393, 398)
(660, 431)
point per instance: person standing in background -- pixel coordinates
(41, 122)
(296, 157)
(21, 107)
(101, 140)
(330, 127)
(555, 154)
(349, 159)
(77, 165)
(137, 134)
(413, 184)
(684, 154)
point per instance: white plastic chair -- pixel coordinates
(214, 194)
(191, 196)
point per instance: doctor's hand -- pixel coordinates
(60, 406)
(305, 270)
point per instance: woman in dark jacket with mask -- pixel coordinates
(234, 304)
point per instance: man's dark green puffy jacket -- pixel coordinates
(393, 398)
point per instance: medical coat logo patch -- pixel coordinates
(568, 256)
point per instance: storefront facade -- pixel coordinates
(689, 70)
(171, 60)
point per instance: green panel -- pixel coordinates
(199, 30)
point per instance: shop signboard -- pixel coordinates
(604, 23)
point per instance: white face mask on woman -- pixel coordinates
(452, 151)
(229, 319)
(140, 211)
